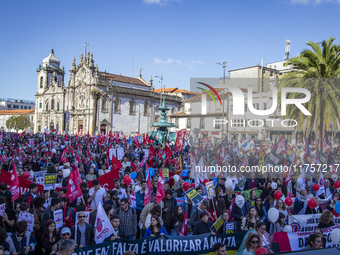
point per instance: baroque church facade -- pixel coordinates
(94, 100)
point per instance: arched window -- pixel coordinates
(57, 107)
(146, 108)
(57, 127)
(132, 107)
(46, 107)
(51, 126)
(117, 105)
(39, 128)
(52, 104)
(41, 82)
(104, 104)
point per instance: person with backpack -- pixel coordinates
(128, 218)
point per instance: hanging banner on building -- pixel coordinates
(193, 245)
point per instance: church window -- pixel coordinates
(172, 110)
(47, 107)
(52, 104)
(57, 107)
(56, 79)
(40, 105)
(117, 105)
(146, 108)
(51, 126)
(132, 107)
(39, 128)
(104, 104)
(57, 127)
(41, 82)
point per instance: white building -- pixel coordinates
(16, 104)
(6, 114)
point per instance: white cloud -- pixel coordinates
(160, 2)
(314, 2)
(169, 61)
(197, 62)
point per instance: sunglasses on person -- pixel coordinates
(81, 216)
(66, 234)
(252, 241)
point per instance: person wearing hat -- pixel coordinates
(65, 234)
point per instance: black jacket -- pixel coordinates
(89, 234)
(202, 228)
(121, 235)
(247, 184)
(26, 197)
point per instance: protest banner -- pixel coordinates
(229, 228)
(306, 222)
(2, 209)
(87, 217)
(194, 196)
(112, 152)
(296, 241)
(193, 245)
(120, 153)
(40, 177)
(217, 224)
(165, 174)
(211, 189)
(50, 182)
(58, 218)
(29, 218)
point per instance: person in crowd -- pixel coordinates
(219, 249)
(204, 225)
(329, 190)
(281, 207)
(326, 220)
(156, 210)
(20, 242)
(49, 237)
(252, 243)
(265, 239)
(315, 210)
(25, 207)
(229, 197)
(221, 184)
(279, 224)
(4, 192)
(241, 180)
(239, 213)
(294, 187)
(314, 242)
(97, 195)
(128, 218)
(65, 234)
(155, 228)
(331, 203)
(170, 204)
(195, 215)
(301, 201)
(249, 222)
(176, 220)
(8, 216)
(60, 176)
(48, 214)
(29, 162)
(91, 175)
(121, 191)
(319, 231)
(259, 208)
(66, 247)
(30, 195)
(119, 232)
(251, 183)
(82, 232)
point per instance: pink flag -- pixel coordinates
(73, 187)
(14, 184)
(147, 197)
(160, 188)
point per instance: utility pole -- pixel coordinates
(224, 66)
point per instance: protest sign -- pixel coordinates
(210, 189)
(194, 196)
(217, 224)
(50, 182)
(146, 153)
(306, 222)
(113, 152)
(40, 177)
(29, 218)
(87, 217)
(58, 218)
(2, 209)
(229, 227)
(120, 153)
(165, 174)
(191, 245)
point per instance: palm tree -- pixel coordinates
(96, 94)
(316, 69)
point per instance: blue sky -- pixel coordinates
(178, 39)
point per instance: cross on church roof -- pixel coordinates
(86, 44)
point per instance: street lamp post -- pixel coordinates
(161, 80)
(224, 66)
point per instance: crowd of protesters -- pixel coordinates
(32, 153)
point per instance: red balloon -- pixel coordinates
(192, 185)
(311, 203)
(127, 179)
(316, 187)
(26, 175)
(205, 181)
(277, 194)
(335, 213)
(288, 201)
(186, 186)
(261, 250)
(337, 184)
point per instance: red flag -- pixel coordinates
(160, 188)
(136, 141)
(147, 197)
(141, 164)
(63, 156)
(184, 228)
(14, 184)
(73, 187)
(65, 137)
(117, 138)
(180, 140)
(152, 154)
(134, 167)
(115, 164)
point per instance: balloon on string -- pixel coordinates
(288, 201)
(287, 229)
(186, 186)
(176, 177)
(273, 214)
(337, 207)
(274, 185)
(228, 183)
(260, 251)
(316, 187)
(152, 172)
(312, 203)
(335, 178)
(192, 185)
(133, 175)
(337, 184)
(127, 180)
(277, 194)
(335, 236)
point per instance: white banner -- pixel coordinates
(58, 218)
(306, 222)
(120, 153)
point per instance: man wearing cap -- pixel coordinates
(65, 234)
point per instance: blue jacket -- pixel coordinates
(140, 200)
(11, 243)
(148, 232)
